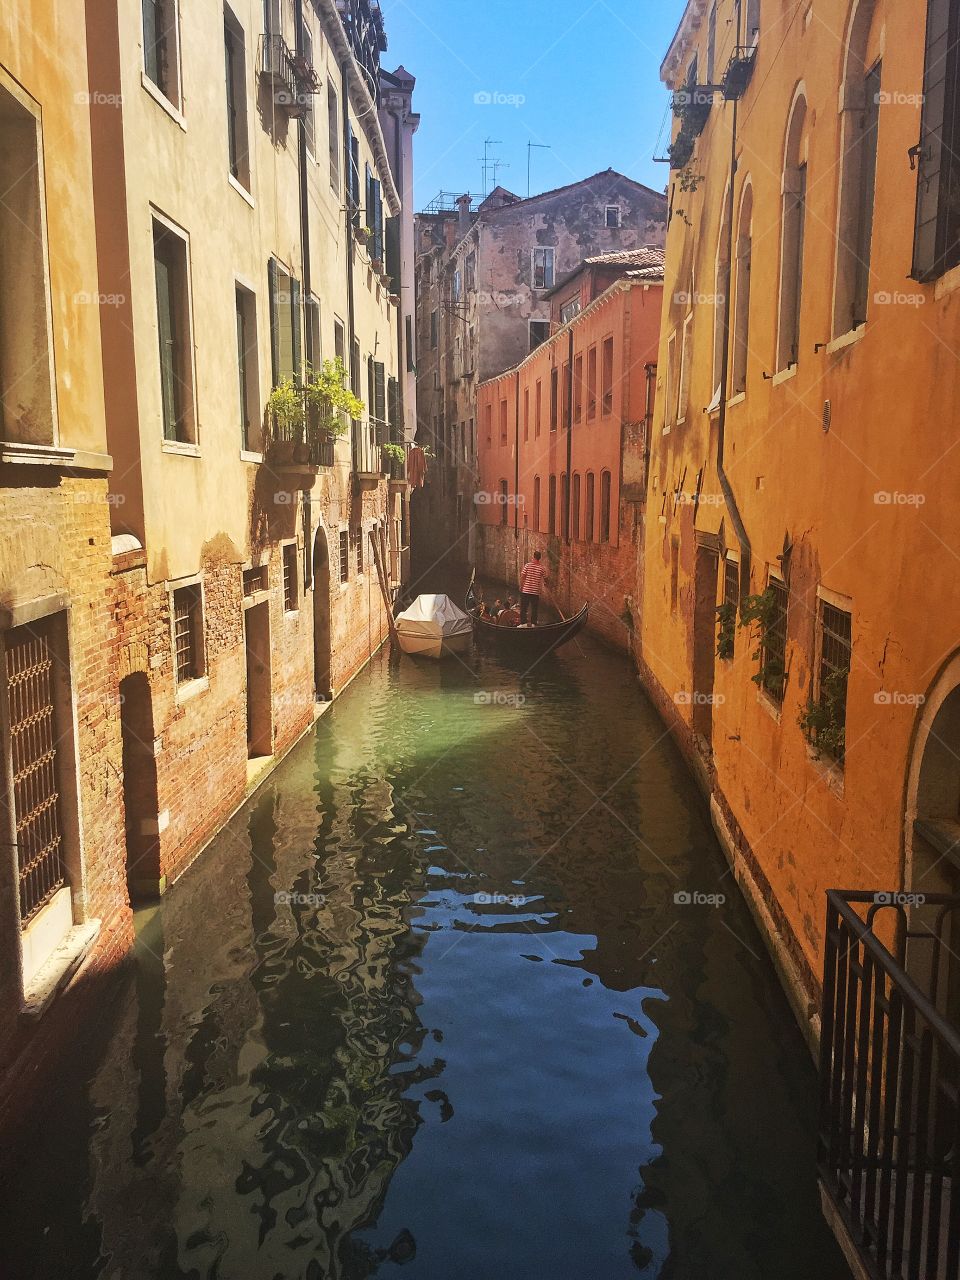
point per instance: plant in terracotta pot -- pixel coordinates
(286, 419)
(330, 402)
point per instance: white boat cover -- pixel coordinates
(430, 622)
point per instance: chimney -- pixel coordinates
(463, 205)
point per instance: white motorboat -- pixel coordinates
(434, 626)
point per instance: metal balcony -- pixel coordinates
(291, 90)
(889, 1130)
(367, 457)
(300, 444)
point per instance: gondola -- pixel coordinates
(526, 642)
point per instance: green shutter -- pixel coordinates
(274, 327)
(295, 330)
(393, 253)
(380, 401)
(937, 170)
(167, 335)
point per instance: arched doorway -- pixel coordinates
(140, 800)
(932, 834)
(321, 617)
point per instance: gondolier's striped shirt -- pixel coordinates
(531, 578)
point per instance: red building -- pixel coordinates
(562, 443)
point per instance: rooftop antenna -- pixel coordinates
(543, 146)
(489, 163)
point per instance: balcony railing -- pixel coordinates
(290, 84)
(367, 456)
(889, 1133)
(298, 441)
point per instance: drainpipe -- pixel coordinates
(566, 508)
(347, 218)
(516, 461)
(726, 488)
(304, 198)
(650, 372)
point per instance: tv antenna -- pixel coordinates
(542, 146)
(490, 165)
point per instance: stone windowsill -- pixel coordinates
(190, 688)
(846, 339)
(56, 973)
(240, 189)
(784, 375)
(161, 99)
(184, 448)
(51, 455)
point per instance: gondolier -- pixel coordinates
(532, 577)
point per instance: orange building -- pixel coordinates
(577, 407)
(799, 623)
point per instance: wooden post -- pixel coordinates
(384, 589)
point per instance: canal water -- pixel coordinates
(464, 993)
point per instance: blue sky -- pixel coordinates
(579, 75)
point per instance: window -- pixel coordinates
(255, 579)
(188, 633)
(565, 393)
(712, 43)
(606, 375)
(859, 113)
(794, 209)
(539, 333)
(674, 573)
(526, 413)
(251, 432)
(575, 508)
(488, 419)
(161, 47)
(27, 403)
(752, 24)
(344, 555)
(543, 268)
(434, 328)
(536, 503)
(937, 235)
(291, 584)
(503, 422)
(284, 322)
(604, 506)
(554, 397)
(564, 505)
(722, 277)
(741, 330)
(611, 215)
(173, 327)
(591, 384)
(773, 646)
(539, 404)
(236, 81)
(311, 320)
(683, 382)
(353, 177)
(471, 271)
(552, 506)
(333, 136)
(669, 403)
(504, 518)
(307, 98)
(588, 510)
(570, 310)
(578, 388)
(358, 549)
(726, 640)
(374, 214)
(457, 285)
(826, 718)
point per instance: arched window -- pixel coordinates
(604, 506)
(565, 505)
(552, 506)
(859, 109)
(588, 530)
(536, 503)
(721, 289)
(575, 508)
(792, 232)
(741, 324)
(503, 502)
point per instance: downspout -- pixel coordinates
(304, 200)
(726, 488)
(516, 461)
(348, 219)
(569, 424)
(650, 371)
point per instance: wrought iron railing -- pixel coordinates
(367, 439)
(889, 1132)
(298, 439)
(279, 68)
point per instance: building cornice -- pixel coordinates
(672, 65)
(361, 97)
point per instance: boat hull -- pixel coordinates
(533, 642)
(436, 647)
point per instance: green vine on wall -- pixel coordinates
(824, 722)
(763, 613)
(726, 630)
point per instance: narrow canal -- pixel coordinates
(436, 999)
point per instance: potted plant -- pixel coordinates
(330, 402)
(681, 150)
(395, 299)
(286, 419)
(363, 234)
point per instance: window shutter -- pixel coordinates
(378, 215)
(393, 253)
(380, 400)
(296, 342)
(168, 373)
(274, 328)
(371, 390)
(393, 410)
(934, 178)
(370, 214)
